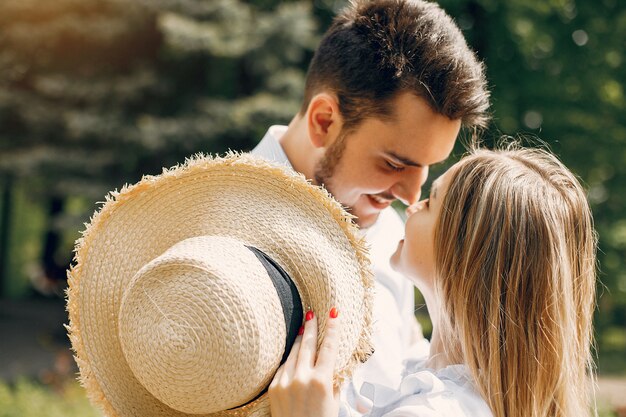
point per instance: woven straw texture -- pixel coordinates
(140, 340)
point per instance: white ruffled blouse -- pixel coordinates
(424, 392)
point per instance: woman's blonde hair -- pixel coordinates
(515, 259)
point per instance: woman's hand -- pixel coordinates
(303, 385)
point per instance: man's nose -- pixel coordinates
(408, 188)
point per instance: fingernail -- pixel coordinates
(301, 331)
(309, 315)
(333, 313)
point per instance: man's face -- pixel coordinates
(382, 161)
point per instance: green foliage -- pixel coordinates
(26, 236)
(612, 342)
(96, 93)
(604, 410)
(101, 92)
(29, 399)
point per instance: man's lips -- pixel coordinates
(378, 202)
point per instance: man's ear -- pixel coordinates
(324, 122)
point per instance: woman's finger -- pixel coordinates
(277, 376)
(327, 355)
(308, 347)
(290, 364)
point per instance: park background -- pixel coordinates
(96, 93)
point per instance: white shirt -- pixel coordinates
(448, 392)
(393, 312)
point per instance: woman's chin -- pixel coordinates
(394, 261)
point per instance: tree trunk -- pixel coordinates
(54, 271)
(5, 230)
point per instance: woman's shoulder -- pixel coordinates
(425, 392)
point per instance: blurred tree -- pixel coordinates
(95, 93)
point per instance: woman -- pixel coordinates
(504, 253)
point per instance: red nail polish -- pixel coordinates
(309, 315)
(333, 313)
(301, 331)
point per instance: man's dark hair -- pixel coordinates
(377, 49)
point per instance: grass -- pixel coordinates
(26, 398)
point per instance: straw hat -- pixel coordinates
(187, 286)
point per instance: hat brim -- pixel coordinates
(264, 205)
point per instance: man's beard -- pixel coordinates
(325, 168)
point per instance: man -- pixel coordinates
(387, 92)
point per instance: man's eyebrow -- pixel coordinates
(404, 160)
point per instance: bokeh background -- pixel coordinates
(96, 93)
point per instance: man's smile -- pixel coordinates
(379, 202)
